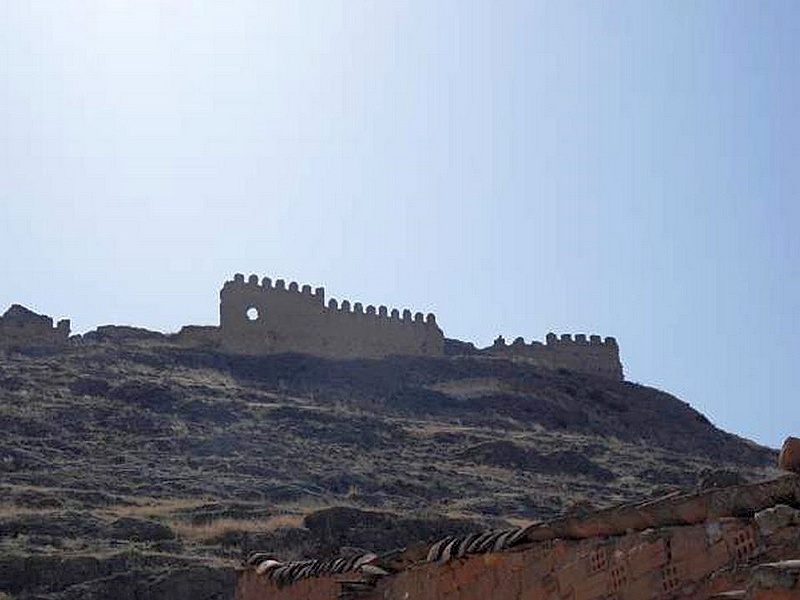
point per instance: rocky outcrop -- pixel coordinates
(789, 458)
(21, 328)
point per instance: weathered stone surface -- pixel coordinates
(22, 328)
(591, 355)
(776, 581)
(264, 318)
(122, 333)
(789, 458)
(776, 517)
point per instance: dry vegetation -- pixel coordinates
(152, 459)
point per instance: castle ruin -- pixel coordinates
(21, 327)
(261, 317)
(266, 318)
(591, 355)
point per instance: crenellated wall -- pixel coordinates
(580, 353)
(21, 327)
(262, 317)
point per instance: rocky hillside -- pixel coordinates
(135, 465)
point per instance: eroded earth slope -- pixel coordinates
(139, 469)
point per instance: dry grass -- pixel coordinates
(466, 389)
(156, 507)
(12, 510)
(215, 529)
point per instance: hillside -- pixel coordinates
(136, 464)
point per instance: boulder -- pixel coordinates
(789, 458)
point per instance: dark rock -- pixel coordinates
(56, 525)
(509, 455)
(711, 479)
(122, 333)
(380, 532)
(89, 386)
(153, 396)
(139, 530)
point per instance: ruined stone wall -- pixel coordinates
(266, 318)
(197, 336)
(688, 562)
(580, 354)
(693, 561)
(21, 328)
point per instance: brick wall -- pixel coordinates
(690, 561)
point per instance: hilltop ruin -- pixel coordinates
(260, 317)
(21, 327)
(585, 355)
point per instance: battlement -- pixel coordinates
(266, 285)
(265, 317)
(279, 285)
(580, 353)
(580, 339)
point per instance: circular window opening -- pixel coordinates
(252, 313)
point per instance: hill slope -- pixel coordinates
(149, 459)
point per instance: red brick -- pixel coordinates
(687, 543)
(569, 575)
(595, 586)
(467, 572)
(647, 557)
(775, 595)
(644, 587)
(692, 510)
(718, 555)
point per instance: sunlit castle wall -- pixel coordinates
(262, 317)
(581, 354)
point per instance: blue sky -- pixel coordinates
(620, 168)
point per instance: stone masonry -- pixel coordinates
(591, 355)
(266, 318)
(22, 328)
(260, 317)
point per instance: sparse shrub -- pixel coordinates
(159, 398)
(89, 386)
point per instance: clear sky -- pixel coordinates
(619, 168)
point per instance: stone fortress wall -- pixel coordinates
(21, 327)
(266, 318)
(591, 355)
